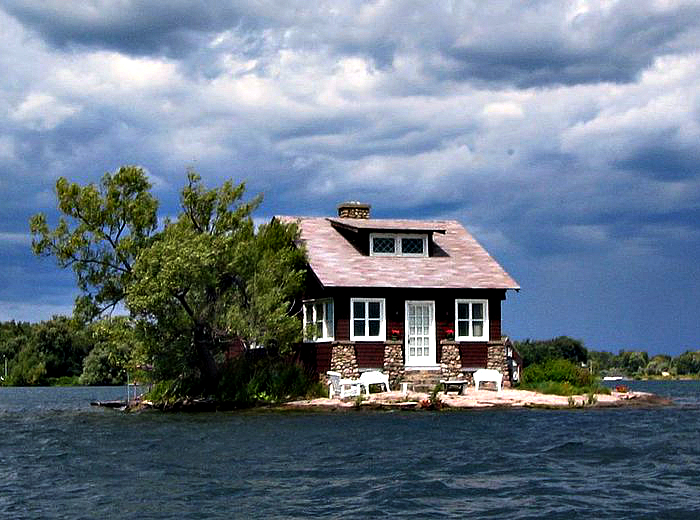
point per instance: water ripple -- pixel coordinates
(62, 459)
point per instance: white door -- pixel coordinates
(420, 333)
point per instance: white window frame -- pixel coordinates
(327, 324)
(470, 336)
(382, 319)
(397, 244)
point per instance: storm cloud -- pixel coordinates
(564, 135)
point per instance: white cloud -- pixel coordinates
(40, 111)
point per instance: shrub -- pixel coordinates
(561, 377)
(559, 371)
(246, 381)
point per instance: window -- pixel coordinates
(318, 320)
(384, 245)
(367, 319)
(398, 245)
(471, 320)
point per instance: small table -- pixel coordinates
(459, 383)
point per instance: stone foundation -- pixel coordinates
(344, 360)
(451, 362)
(497, 360)
(393, 362)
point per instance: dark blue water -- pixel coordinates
(61, 458)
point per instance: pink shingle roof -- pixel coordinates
(461, 264)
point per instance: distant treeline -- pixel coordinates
(62, 351)
(629, 363)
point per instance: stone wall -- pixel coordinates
(393, 362)
(344, 360)
(451, 362)
(497, 360)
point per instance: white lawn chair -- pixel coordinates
(485, 374)
(374, 378)
(342, 387)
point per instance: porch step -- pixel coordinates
(422, 380)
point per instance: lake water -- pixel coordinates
(62, 458)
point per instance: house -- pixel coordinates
(417, 299)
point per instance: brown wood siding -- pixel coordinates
(395, 313)
(494, 319)
(316, 357)
(323, 356)
(369, 355)
(474, 355)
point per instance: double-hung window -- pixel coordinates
(367, 318)
(318, 320)
(471, 320)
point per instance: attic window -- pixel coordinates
(383, 244)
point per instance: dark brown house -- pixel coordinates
(420, 300)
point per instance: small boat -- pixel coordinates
(612, 378)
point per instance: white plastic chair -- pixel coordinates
(374, 378)
(486, 374)
(342, 387)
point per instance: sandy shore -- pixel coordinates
(506, 398)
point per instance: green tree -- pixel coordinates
(115, 342)
(658, 364)
(203, 280)
(107, 226)
(63, 345)
(688, 363)
(561, 347)
(209, 278)
(29, 367)
(632, 362)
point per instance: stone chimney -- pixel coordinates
(353, 209)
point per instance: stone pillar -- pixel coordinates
(344, 360)
(393, 362)
(451, 362)
(497, 360)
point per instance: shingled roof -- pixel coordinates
(462, 263)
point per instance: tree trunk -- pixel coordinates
(203, 343)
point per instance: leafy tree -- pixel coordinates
(688, 362)
(62, 345)
(209, 278)
(658, 364)
(541, 351)
(201, 281)
(13, 337)
(108, 225)
(29, 367)
(632, 362)
(115, 342)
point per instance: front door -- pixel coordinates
(420, 333)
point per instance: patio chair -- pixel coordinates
(374, 377)
(342, 387)
(482, 375)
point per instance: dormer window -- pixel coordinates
(388, 244)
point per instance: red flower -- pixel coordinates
(395, 332)
(449, 331)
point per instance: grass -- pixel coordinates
(557, 388)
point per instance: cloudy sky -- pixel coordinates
(564, 135)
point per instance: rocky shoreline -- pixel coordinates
(482, 399)
(470, 400)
